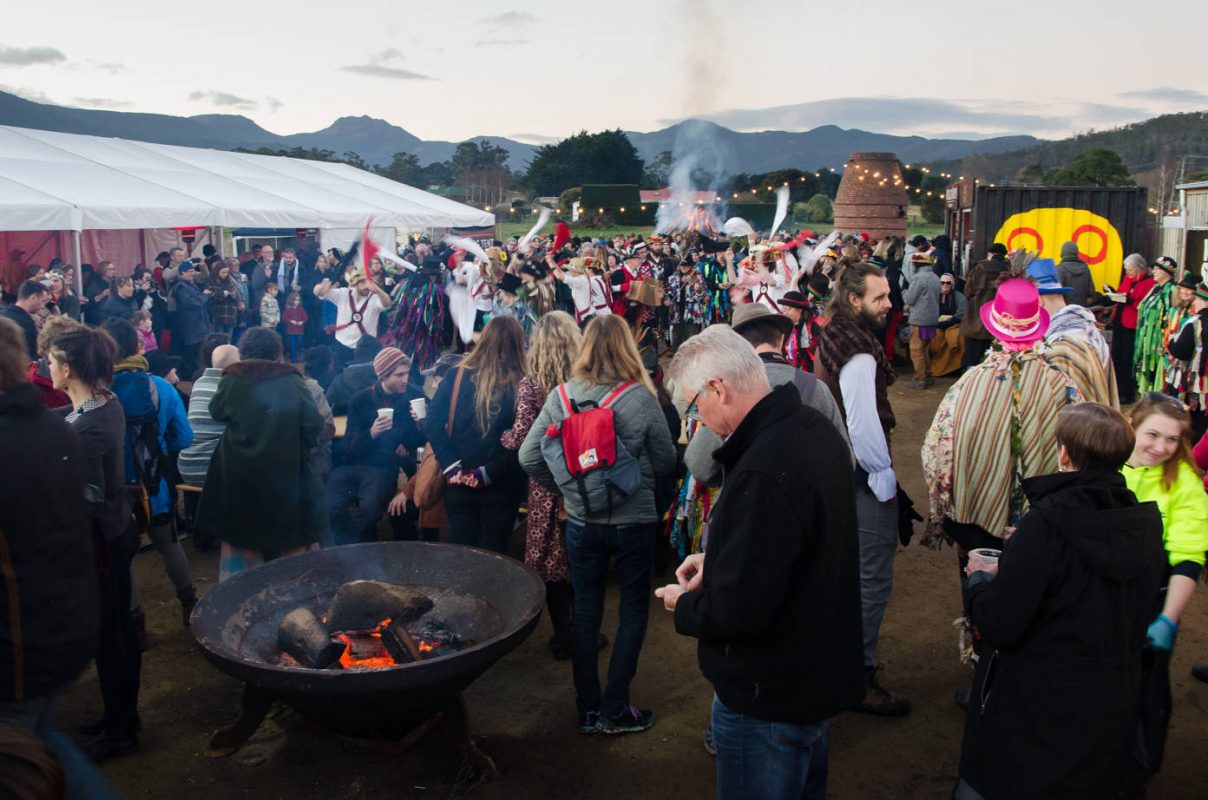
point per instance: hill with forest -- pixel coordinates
(1159, 150)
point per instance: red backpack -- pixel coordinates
(585, 455)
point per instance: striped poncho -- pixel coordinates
(994, 428)
(1080, 362)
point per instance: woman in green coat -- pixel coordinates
(263, 497)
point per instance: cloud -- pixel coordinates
(26, 93)
(28, 56)
(226, 100)
(534, 138)
(100, 102)
(929, 116)
(1168, 94)
(497, 42)
(111, 67)
(510, 19)
(382, 64)
(273, 104)
(376, 71)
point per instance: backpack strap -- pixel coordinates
(616, 393)
(567, 408)
(461, 371)
(153, 392)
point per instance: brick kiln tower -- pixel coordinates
(872, 197)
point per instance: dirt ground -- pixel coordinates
(523, 709)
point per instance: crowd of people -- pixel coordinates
(308, 399)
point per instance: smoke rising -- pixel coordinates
(698, 149)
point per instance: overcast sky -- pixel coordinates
(541, 70)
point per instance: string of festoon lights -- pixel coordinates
(863, 173)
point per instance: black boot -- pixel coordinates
(879, 700)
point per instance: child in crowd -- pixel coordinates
(142, 321)
(295, 325)
(1161, 468)
(270, 312)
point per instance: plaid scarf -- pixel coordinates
(847, 335)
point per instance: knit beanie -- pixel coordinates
(386, 360)
(1069, 251)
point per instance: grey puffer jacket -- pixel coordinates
(641, 427)
(923, 297)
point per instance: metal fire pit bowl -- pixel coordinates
(236, 624)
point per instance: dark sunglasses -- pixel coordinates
(1158, 397)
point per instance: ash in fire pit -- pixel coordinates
(374, 625)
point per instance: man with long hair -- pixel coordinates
(852, 363)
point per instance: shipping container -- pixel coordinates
(1107, 223)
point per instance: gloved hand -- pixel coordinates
(1161, 633)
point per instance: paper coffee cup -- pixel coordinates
(388, 413)
(419, 407)
(987, 554)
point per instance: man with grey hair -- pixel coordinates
(194, 460)
(775, 599)
(764, 330)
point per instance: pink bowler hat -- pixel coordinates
(1015, 314)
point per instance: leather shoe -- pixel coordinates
(103, 747)
(96, 726)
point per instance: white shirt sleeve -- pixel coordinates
(857, 380)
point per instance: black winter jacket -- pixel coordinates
(356, 377)
(778, 617)
(362, 449)
(1053, 710)
(48, 620)
(470, 445)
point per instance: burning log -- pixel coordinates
(362, 605)
(305, 638)
(399, 644)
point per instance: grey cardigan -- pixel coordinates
(923, 297)
(641, 427)
(698, 458)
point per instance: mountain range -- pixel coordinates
(376, 140)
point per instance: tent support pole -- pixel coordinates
(78, 255)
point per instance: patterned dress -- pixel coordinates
(545, 535)
(1149, 353)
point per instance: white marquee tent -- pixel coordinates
(59, 182)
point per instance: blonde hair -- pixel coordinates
(553, 348)
(54, 325)
(499, 363)
(609, 355)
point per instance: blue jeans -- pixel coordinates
(774, 760)
(589, 547)
(482, 517)
(357, 496)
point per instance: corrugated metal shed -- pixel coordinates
(1195, 204)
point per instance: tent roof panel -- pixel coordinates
(86, 182)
